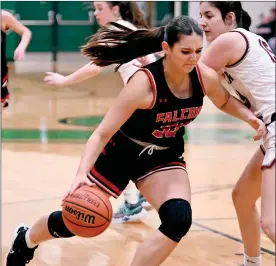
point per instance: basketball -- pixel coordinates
(87, 212)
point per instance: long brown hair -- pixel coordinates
(119, 45)
(131, 12)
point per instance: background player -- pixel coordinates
(9, 22)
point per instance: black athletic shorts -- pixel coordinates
(120, 162)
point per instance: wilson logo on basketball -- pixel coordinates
(86, 198)
(87, 218)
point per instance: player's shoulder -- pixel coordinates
(140, 89)
(6, 14)
(7, 18)
(141, 80)
(230, 39)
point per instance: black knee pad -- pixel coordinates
(56, 226)
(176, 218)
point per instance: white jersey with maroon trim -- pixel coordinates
(253, 76)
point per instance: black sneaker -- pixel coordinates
(20, 254)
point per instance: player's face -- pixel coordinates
(211, 21)
(105, 13)
(185, 53)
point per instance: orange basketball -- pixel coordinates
(87, 212)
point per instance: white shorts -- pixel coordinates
(268, 146)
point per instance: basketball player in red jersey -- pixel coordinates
(142, 134)
(128, 14)
(248, 65)
(9, 22)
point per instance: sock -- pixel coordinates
(252, 261)
(29, 243)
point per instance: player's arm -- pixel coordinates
(12, 23)
(227, 103)
(87, 71)
(225, 50)
(137, 94)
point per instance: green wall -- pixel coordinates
(63, 38)
(45, 38)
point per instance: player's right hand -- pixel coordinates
(79, 181)
(55, 79)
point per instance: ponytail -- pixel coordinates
(131, 12)
(135, 16)
(245, 20)
(118, 46)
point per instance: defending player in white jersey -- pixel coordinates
(248, 65)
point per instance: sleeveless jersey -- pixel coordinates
(165, 121)
(253, 76)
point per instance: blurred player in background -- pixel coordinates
(9, 22)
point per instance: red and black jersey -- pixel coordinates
(166, 119)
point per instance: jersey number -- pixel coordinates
(266, 47)
(168, 131)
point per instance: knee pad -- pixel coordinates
(176, 218)
(56, 226)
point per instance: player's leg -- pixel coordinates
(169, 193)
(26, 240)
(247, 191)
(245, 194)
(268, 185)
(268, 202)
(104, 174)
(145, 204)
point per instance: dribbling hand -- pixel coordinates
(79, 181)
